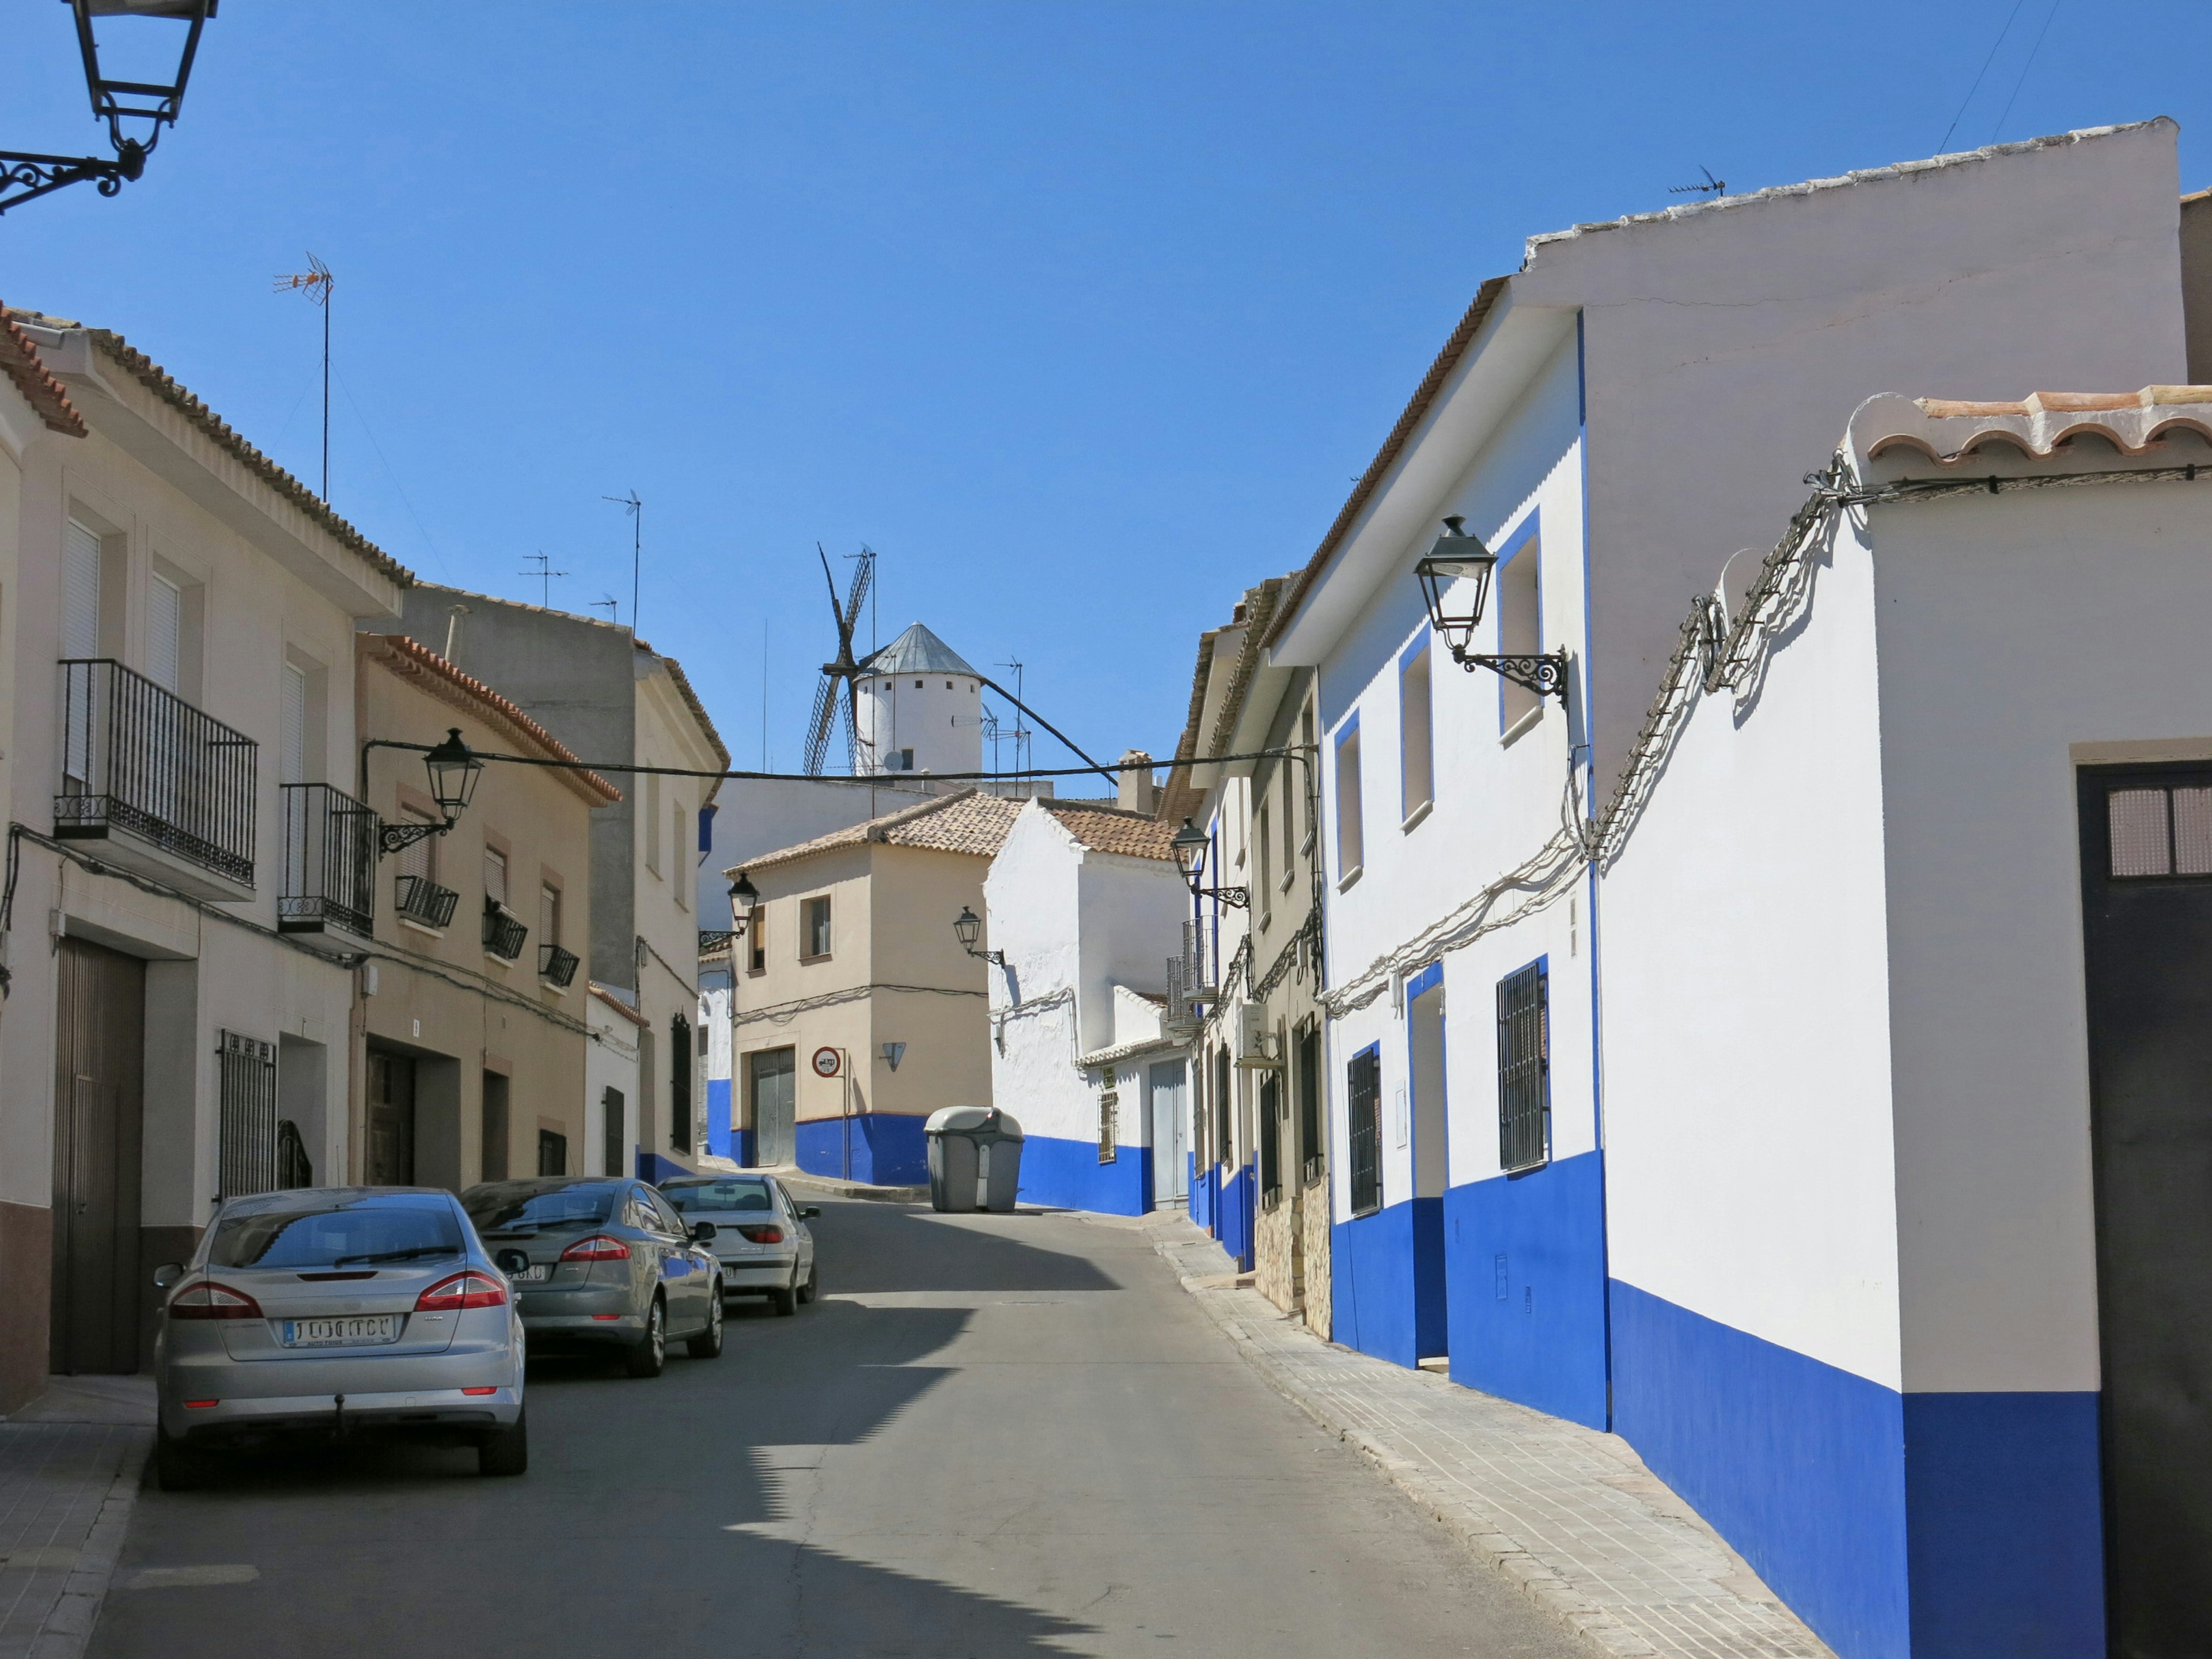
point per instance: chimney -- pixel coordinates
(1136, 791)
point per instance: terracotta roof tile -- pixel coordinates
(1110, 829)
(1949, 431)
(19, 358)
(970, 821)
(158, 380)
(615, 1003)
(399, 655)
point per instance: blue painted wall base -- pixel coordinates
(719, 1141)
(741, 1149)
(888, 1149)
(1525, 1287)
(1235, 1207)
(651, 1166)
(1198, 1195)
(1067, 1175)
(1378, 1302)
(1923, 1526)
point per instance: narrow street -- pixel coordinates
(993, 1435)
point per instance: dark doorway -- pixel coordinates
(391, 1119)
(771, 1076)
(614, 1133)
(2146, 909)
(497, 1135)
(100, 1056)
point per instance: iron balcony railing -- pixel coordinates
(142, 760)
(555, 965)
(503, 931)
(330, 861)
(421, 899)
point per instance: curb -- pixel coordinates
(1596, 1623)
(67, 1628)
(830, 1186)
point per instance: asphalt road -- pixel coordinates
(994, 1436)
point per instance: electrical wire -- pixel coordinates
(1984, 70)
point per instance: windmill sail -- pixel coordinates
(834, 697)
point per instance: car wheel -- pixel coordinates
(506, 1451)
(812, 1287)
(650, 1352)
(786, 1298)
(178, 1467)
(708, 1345)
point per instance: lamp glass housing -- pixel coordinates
(744, 898)
(969, 927)
(144, 86)
(453, 773)
(1456, 557)
(1190, 844)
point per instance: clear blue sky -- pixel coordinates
(1084, 316)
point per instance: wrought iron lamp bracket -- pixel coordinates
(1545, 674)
(1239, 898)
(398, 838)
(720, 938)
(25, 176)
(996, 958)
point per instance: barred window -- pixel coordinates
(245, 1148)
(1363, 1113)
(1525, 1068)
(1271, 1138)
(1110, 1113)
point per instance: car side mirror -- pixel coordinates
(810, 1212)
(167, 1274)
(701, 1231)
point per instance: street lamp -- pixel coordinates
(24, 176)
(453, 772)
(1190, 844)
(967, 927)
(745, 899)
(1457, 557)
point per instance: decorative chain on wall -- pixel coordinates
(1713, 654)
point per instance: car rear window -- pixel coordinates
(503, 1207)
(720, 1195)
(333, 1232)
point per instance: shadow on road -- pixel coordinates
(883, 1248)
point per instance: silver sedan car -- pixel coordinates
(334, 1311)
(602, 1261)
(758, 1232)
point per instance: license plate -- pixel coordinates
(536, 1272)
(341, 1333)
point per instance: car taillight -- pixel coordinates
(205, 1299)
(600, 1247)
(760, 1235)
(464, 1290)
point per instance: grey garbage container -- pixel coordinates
(974, 1158)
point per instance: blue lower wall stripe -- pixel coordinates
(888, 1149)
(1379, 1301)
(1067, 1175)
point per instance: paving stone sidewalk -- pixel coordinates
(1569, 1513)
(69, 1469)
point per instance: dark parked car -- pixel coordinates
(601, 1261)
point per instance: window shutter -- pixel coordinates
(294, 758)
(165, 618)
(80, 592)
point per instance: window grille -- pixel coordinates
(503, 931)
(1271, 1139)
(294, 1167)
(1363, 1111)
(681, 1131)
(1224, 1143)
(1109, 1105)
(2159, 832)
(1310, 1150)
(1525, 1068)
(245, 1146)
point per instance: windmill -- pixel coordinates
(839, 677)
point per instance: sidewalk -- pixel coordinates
(830, 1186)
(71, 1463)
(1571, 1514)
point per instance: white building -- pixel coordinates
(919, 707)
(1085, 905)
(1611, 420)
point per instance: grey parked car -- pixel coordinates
(332, 1311)
(759, 1233)
(602, 1261)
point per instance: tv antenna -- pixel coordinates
(1021, 734)
(631, 505)
(316, 282)
(1713, 186)
(545, 572)
(613, 604)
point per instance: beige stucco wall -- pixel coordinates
(440, 996)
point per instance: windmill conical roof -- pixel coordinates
(917, 651)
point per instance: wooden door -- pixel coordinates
(2146, 913)
(98, 1108)
(391, 1119)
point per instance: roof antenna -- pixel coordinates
(1713, 186)
(613, 604)
(635, 508)
(316, 283)
(545, 572)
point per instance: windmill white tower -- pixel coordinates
(919, 707)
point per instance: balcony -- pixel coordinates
(167, 789)
(422, 901)
(556, 966)
(503, 931)
(329, 895)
